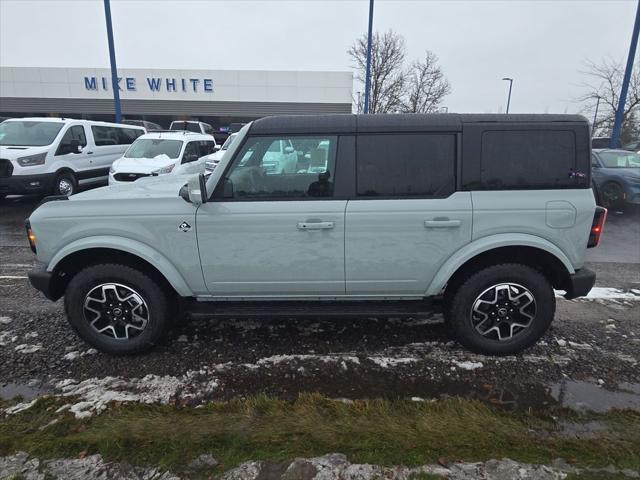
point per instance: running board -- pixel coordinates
(346, 308)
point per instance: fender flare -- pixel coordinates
(134, 247)
(491, 242)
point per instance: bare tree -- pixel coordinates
(388, 52)
(426, 85)
(605, 82)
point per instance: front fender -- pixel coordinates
(145, 252)
(491, 242)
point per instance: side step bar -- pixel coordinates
(346, 308)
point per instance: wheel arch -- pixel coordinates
(528, 250)
(90, 251)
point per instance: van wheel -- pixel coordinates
(65, 184)
(502, 310)
(117, 309)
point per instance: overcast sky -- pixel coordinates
(541, 44)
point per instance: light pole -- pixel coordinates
(112, 59)
(617, 124)
(595, 116)
(510, 80)
(367, 80)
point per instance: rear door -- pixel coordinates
(407, 218)
(274, 234)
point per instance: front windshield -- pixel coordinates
(620, 159)
(227, 143)
(29, 134)
(154, 147)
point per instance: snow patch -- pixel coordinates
(96, 393)
(607, 293)
(26, 348)
(468, 365)
(5, 320)
(386, 362)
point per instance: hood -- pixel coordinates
(627, 171)
(142, 165)
(12, 152)
(215, 156)
(161, 186)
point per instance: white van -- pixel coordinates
(55, 155)
(160, 153)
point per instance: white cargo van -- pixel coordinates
(55, 155)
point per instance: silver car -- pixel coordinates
(478, 216)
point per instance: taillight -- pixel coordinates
(596, 227)
(31, 236)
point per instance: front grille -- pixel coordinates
(130, 177)
(6, 169)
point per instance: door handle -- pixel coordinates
(89, 153)
(442, 223)
(315, 225)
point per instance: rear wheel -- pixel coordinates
(502, 309)
(65, 184)
(117, 309)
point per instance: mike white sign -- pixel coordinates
(153, 84)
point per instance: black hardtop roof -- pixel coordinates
(396, 122)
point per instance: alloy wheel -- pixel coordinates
(116, 311)
(503, 311)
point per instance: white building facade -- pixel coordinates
(218, 97)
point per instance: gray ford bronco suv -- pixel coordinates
(479, 216)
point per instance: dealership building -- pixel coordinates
(217, 97)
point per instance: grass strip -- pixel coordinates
(381, 432)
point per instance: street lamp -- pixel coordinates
(367, 79)
(595, 115)
(112, 59)
(510, 80)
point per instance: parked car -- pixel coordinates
(632, 147)
(401, 221)
(192, 126)
(602, 142)
(212, 160)
(161, 153)
(55, 155)
(148, 126)
(617, 176)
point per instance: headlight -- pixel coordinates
(32, 160)
(166, 169)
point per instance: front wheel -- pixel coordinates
(502, 310)
(117, 309)
(612, 195)
(65, 184)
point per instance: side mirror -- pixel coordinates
(197, 190)
(190, 158)
(74, 146)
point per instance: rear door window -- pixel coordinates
(406, 165)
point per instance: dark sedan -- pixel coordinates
(616, 174)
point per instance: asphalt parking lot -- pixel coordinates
(589, 359)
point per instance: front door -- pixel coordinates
(274, 233)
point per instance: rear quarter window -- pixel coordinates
(520, 159)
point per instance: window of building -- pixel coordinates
(405, 165)
(517, 159)
(270, 168)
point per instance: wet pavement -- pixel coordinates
(589, 360)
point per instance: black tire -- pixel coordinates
(460, 309)
(65, 184)
(156, 308)
(611, 195)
